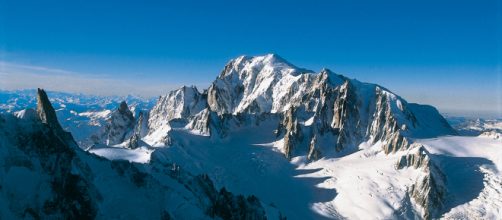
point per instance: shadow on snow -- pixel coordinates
(464, 179)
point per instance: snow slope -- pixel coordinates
(362, 185)
(245, 162)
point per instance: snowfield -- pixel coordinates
(367, 185)
(138, 155)
(362, 185)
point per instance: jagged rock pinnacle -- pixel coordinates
(45, 111)
(123, 107)
(47, 115)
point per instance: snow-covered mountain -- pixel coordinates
(309, 145)
(311, 118)
(324, 112)
(46, 175)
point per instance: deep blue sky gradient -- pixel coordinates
(445, 53)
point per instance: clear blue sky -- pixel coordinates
(445, 53)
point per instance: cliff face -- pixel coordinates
(429, 190)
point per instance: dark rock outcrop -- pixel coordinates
(429, 190)
(45, 111)
(293, 135)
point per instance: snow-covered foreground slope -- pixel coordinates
(45, 175)
(247, 161)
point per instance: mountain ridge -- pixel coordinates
(269, 84)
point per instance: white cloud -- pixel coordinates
(18, 76)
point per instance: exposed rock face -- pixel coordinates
(141, 127)
(181, 103)
(200, 123)
(177, 109)
(118, 128)
(395, 142)
(429, 190)
(420, 159)
(314, 152)
(140, 131)
(45, 110)
(121, 123)
(228, 206)
(293, 135)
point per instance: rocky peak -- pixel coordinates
(184, 102)
(45, 111)
(123, 108)
(118, 127)
(418, 159)
(253, 85)
(120, 124)
(332, 78)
